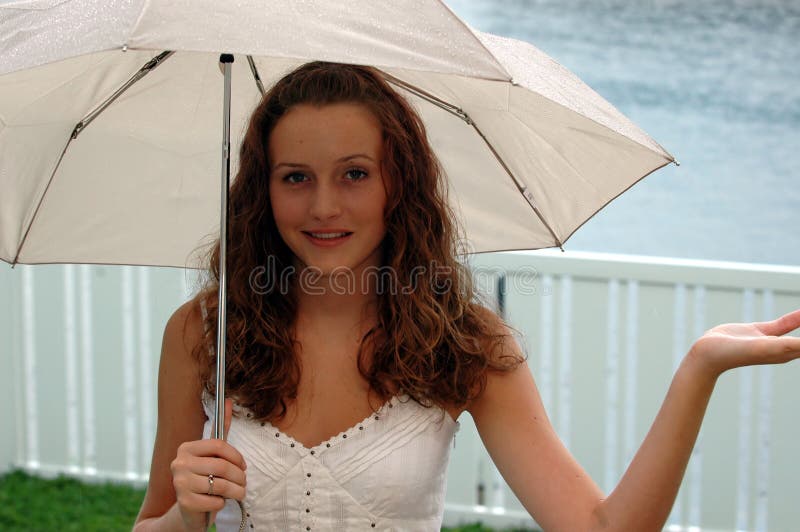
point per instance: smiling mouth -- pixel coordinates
(328, 236)
(327, 239)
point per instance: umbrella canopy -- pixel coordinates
(90, 173)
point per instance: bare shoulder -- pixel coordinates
(179, 371)
(503, 351)
(184, 328)
(496, 324)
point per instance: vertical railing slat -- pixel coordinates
(71, 363)
(87, 367)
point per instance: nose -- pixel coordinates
(325, 203)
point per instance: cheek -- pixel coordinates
(380, 210)
(283, 210)
(278, 210)
(371, 211)
(379, 199)
(377, 219)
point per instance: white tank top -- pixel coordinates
(387, 472)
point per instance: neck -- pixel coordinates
(333, 300)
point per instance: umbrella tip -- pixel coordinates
(677, 162)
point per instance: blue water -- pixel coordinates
(714, 82)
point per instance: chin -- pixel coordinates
(324, 268)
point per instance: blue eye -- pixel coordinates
(289, 178)
(359, 174)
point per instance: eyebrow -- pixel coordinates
(340, 160)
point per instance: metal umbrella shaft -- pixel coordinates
(226, 61)
(218, 429)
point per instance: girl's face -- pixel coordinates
(327, 192)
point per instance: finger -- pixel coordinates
(219, 468)
(780, 326)
(788, 348)
(220, 487)
(228, 416)
(778, 350)
(200, 502)
(190, 452)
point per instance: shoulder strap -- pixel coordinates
(204, 312)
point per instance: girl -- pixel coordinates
(355, 342)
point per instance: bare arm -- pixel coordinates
(554, 488)
(177, 496)
(180, 418)
(644, 496)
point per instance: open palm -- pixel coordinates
(732, 345)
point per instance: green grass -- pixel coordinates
(32, 504)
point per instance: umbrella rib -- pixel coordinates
(447, 106)
(41, 198)
(142, 72)
(256, 77)
(526, 193)
(80, 126)
(457, 111)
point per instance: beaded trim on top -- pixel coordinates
(364, 424)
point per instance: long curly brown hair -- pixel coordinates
(434, 342)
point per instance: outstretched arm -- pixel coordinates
(555, 489)
(644, 496)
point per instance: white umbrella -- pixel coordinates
(110, 115)
(531, 152)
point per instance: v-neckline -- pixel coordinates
(344, 434)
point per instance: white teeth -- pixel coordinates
(327, 235)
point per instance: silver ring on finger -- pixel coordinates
(211, 484)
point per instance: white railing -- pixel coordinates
(603, 334)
